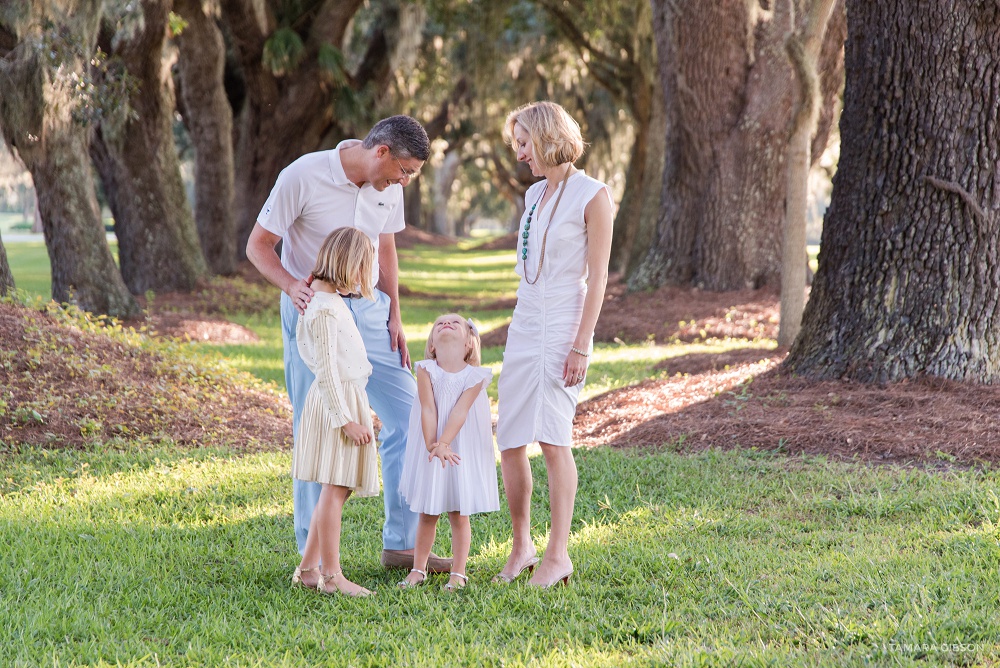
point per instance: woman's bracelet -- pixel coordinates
(580, 352)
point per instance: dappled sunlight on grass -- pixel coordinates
(678, 559)
(464, 274)
(134, 553)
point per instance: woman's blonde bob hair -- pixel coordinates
(345, 261)
(555, 135)
(473, 356)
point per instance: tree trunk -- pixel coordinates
(209, 120)
(616, 41)
(413, 204)
(37, 116)
(728, 92)
(909, 273)
(290, 113)
(157, 242)
(6, 278)
(803, 46)
(271, 136)
(444, 178)
(36, 217)
(640, 204)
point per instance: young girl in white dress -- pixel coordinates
(450, 465)
(335, 445)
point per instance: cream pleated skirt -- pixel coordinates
(324, 454)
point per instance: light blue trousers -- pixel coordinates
(391, 390)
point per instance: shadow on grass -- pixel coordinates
(187, 560)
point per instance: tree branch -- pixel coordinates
(248, 42)
(505, 179)
(436, 126)
(950, 186)
(331, 22)
(622, 68)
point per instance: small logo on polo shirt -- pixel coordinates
(381, 203)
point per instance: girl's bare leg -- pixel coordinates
(461, 540)
(327, 524)
(426, 530)
(310, 557)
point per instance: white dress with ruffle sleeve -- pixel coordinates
(471, 486)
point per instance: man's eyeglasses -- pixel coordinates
(407, 175)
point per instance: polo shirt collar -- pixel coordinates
(337, 167)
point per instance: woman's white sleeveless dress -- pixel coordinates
(533, 404)
(471, 486)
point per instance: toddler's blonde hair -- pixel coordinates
(346, 256)
(473, 357)
(555, 135)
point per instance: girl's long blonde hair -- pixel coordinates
(346, 256)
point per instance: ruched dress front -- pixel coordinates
(471, 486)
(330, 345)
(533, 403)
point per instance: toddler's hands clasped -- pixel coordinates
(443, 451)
(361, 435)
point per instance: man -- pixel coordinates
(357, 184)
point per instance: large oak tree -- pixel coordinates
(47, 102)
(909, 268)
(729, 92)
(209, 121)
(138, 161)
(301, 92)
(616, 40)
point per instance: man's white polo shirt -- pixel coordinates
(313, 196)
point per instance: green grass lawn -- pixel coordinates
(161, 556)
(720, 558)
(29, 263)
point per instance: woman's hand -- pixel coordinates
(574, 369)
(361, 435)
(443, 451)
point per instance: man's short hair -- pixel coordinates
(404, 136)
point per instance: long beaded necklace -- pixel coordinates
(527, 226)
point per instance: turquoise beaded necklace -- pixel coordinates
(527, 226)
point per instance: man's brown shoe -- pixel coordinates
(400, 559)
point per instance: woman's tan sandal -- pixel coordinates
(297, 577)
(324, 579)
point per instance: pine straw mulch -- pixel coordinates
(70, 382)
(411, 236)
(671, 314)
(742, 398)
(200, 315)
(86, 387)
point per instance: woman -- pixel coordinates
(562, 259)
